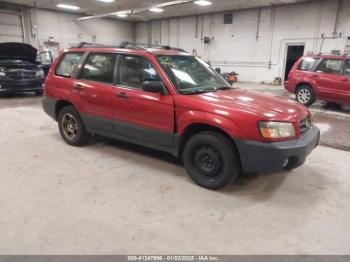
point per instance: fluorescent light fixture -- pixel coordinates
(203, 2)
(157, 10)
(122, 15)
(106, 1)
(70, 7)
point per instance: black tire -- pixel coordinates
(305, 95)
(71, 127)
(39, 93)
(211, 160)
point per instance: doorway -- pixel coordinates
(294, 52)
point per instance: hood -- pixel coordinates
(18, 51)
(267, 106)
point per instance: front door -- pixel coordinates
(137, 114)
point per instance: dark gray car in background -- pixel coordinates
(19, 70)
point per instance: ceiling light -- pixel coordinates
(203, 2)
(106, 1)
(70, 7)
(157, 10)
(122, 15)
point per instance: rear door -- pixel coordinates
(345, 81)
(137, 114)
(328, 78)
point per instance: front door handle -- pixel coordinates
(78, 86)
(315, 76)
(345, 80)
(122, 95)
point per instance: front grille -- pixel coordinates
(305, 124)
(21, 74)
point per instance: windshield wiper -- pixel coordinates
(223, 88)
(197, 91)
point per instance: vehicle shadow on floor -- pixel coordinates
(305, 181)
(244, 182)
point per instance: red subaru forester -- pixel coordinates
(320, 77)
(169, 100)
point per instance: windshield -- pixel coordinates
(191, 75)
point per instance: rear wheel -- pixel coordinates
(71, 127)
(305, 95)
(211, 160)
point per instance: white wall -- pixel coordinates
(66, 30)
(235, 47)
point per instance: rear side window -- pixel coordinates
(67, 64)
(99, 68)
(308, 63)
(347, 67)
(330, 66)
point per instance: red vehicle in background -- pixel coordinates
(320, 77)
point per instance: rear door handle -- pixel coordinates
(345, 80)
(315, 76)
(122, 95)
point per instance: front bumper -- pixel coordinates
(13, 86)
(266, 157)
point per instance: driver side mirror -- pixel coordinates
(153, 86)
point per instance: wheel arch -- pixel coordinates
(303, 83)
(198, 127)
(61, 104)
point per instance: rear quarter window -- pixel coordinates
(67, 64)
(308, 63)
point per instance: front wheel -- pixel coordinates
(305, 95)
(71, 127)
(211, 160)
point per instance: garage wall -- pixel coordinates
(255, 44)
(62, 28)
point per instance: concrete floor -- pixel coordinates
(113, 198)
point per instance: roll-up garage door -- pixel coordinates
(11, 29)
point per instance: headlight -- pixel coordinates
(40, 74)
(276, 129)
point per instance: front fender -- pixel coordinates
(197, 117)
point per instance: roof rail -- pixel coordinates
(124, 44)
(332, 54)
(86, 44)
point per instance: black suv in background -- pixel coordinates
(19, 70)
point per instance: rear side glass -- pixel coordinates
(308, 63)
(67, 64)
(347, 67)
(99, 68)
(330, 66)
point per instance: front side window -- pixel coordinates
(330, 66)
(67, 64)
(135, 70)
(191, 75)
(99, 68)
(308, 63)
(347, 67)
